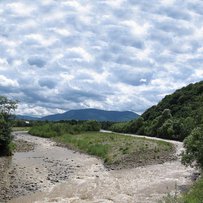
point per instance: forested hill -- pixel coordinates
(174, 117)
(183, 103)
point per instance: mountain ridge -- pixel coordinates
(88, 114)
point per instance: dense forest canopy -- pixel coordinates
(185, 102)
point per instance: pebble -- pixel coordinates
(24, 181)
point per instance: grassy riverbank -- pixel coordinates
(116, 150)
(194, 195)
(119, 151)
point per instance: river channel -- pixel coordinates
(50, 173)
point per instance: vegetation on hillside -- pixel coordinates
(7, 106)
(173, 118)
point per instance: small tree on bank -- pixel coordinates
(193, 154)
(7, 106)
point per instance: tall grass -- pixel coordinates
(86, 142)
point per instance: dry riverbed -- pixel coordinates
(49, 173)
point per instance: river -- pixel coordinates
(50, 173)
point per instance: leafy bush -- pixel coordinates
(119, 127)
(194, 148)
(6, 108)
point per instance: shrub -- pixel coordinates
(6, 108)
(193, 144)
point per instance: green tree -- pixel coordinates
(92, 125)
(166, 130)
(178, 128)
(193, 154)
(155, 126)
(7, 107)
(135, 125)
(189, 125)
(166, 114)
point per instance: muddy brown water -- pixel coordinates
(67, 176)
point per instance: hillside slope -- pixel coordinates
(174, 117)
(185, 102)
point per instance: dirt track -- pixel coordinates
(57, 174)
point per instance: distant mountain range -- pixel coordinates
(87, 114)
(22, 117)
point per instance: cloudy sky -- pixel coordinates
(57, 55)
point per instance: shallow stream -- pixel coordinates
(55, 174)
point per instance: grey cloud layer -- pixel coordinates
(123, 55)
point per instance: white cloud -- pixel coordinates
(136, 28)
(123, 55)
(20, 9)
(85, 56)
(6, 82)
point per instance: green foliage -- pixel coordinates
(52, 129)
(183, 103)
(193, 144)
(91, 143)
(186, 110)
(91, 126)
(195, 195)
(120, 127)
(6, 108)
(166, 129)
(105, 125)
(135, 125)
